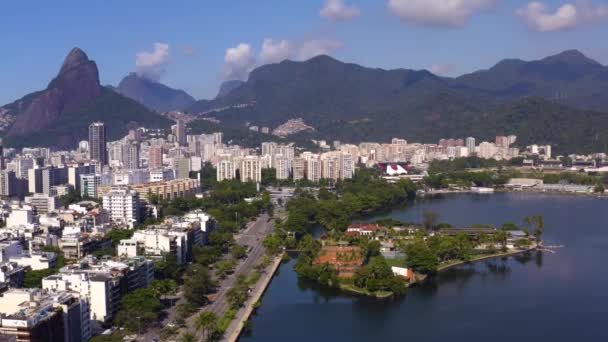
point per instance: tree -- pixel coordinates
(206, 321)
(501, 238)
(188, 337)
(223, 267)
(537, 223)
(599, 188)
(272, 243)
(167, 268)
(378, 276)
(421, 258)
(238, 252)
(138, 310)
(429, 219)
(236, 297)
(197, 283)
(269, 176)
(163, 287)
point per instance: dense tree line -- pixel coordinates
(364, 194)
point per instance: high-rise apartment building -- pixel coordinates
(97, 143)
(225, 170)
(123, 205)
(313, 169)
(130, 155)
(251, 169)
(155, 157)
(281, 165)
(470, 143)
(299, 168)
(179, 130)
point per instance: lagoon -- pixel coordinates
(540, 296)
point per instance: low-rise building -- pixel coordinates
(34, 315)
(36, 260)
(12, 274)
(102, 283)
(346, 260)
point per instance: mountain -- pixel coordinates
(353, 103)
(569, 77)
(59, 115)
(154, 95)
(228, 86)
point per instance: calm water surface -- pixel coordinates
(539, 297)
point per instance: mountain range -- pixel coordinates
(154, 95)
(353, 103)
(59, 115)
(559, 100)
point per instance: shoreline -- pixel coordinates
(238, 324)
(504, 190)
(486, 257)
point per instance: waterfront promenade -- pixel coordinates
(238, 323)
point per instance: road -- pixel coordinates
(252, 236)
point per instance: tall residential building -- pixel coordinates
(123, 205)
(330, 166)
(74, 173)
(225, 170)
(470, 143)
(502, 141)
(218, 137)
(347, 166)
(89, 185)
(281, 165)
(179, 130)
(182, 168)
(155, 157)
(11, 185)
(487, 150)
(97, 143)
(299, 168)
(40, 180)
(251, 170)
(268, 148)
(313, 169)
(130, 155)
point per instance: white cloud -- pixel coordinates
(438, 12)
(151, 65)
(539, 17)
(442, 69)
(238, 62)
(338, 10)
(275, 52)
(315, 47)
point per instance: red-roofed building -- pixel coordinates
(363, 229)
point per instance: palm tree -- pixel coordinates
(538, 223)
(205, 321)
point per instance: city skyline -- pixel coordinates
(173, 45)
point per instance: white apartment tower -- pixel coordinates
(225, 170)
(123, 205)
(251, 169)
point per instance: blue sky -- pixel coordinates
(195, 36)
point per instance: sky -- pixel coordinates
(196, 44)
